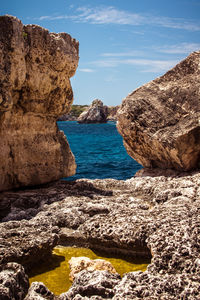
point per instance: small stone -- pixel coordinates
(77, 264)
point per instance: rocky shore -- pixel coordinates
(155, 214)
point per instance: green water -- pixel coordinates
(55, 272)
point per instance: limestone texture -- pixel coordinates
(35, 71)
(96, 113)
(38, 291)
(160, 121)
(155, 214)
(13, 282)
(112, 113)
(77, 264)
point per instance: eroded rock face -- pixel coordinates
(38, 291)
(156, 212)
(160, 121)
(35, 68)
(77, 264)
(92, 285)
(112, 113)
(96, 113)
(13, 282)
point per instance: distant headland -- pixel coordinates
(97, 112)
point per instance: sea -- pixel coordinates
(99, 151)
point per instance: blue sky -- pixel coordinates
(123, 43)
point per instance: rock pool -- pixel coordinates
(54, 273)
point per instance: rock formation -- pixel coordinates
(152, 216)
(96, 113)
(77, 264)
(38, 291)
(76, 111)
(13, 282)
(112, 113)
(35, 67)
(160, 121)
(155, 213)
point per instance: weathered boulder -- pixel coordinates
(96, 113)
(35, 67)
(160, 121)
(77, 264)
(14, 282)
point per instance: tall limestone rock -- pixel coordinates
(160, 121)
(35, 68)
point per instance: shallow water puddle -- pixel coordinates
(55, 272)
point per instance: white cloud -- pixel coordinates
(52, 18)
(112, 15)
(147, 65)
(86, 70)
(123, 54)
(107, 63)
(109, 15)
(176, 23)
(183, 48)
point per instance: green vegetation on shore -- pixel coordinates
(76, 110)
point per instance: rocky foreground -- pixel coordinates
(156, 214)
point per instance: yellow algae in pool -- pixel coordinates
(55, 272)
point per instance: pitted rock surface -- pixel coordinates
(157, 212)
(38, 291)
(13, 282)
(35, 71)
(93, 285)
(160, 121)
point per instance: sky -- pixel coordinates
(123, 43)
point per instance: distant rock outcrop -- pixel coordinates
(96, 113)
(112, 113)
(35, 89)
(160, 121)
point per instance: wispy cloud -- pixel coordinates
(109, 15)
(53, 18)
(123, 54)
(147, 65)
(183, 48)
(112, 15)
(86, 70)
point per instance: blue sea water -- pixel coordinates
(99, 151)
